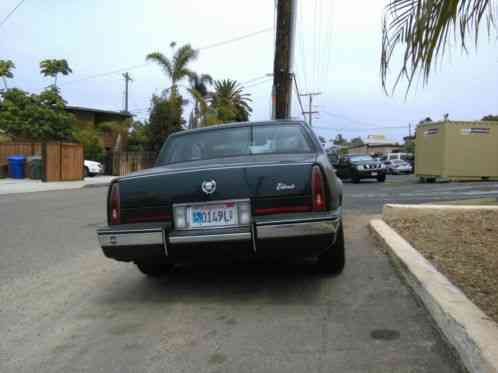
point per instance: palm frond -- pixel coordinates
(422, 30)
(6, 67)
(162, 61)
(183, 56)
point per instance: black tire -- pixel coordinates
(86, 173)
(334, 259)
(356, 179)
(381, 178)
(154, 269)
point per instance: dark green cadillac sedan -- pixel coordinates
(226, 193)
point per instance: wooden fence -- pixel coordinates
(62, 161)
(125, 162)
(27, 149)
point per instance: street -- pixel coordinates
(65, 307)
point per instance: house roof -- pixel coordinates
(98, 111)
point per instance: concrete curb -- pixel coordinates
(397, 211)
(96, 185)
(467, 329)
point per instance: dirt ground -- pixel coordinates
(462, 247)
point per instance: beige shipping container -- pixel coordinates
(457, 150)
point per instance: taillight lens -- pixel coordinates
(318, 189)
(114, 205)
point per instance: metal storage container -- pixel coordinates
(457, 150)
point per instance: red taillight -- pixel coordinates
(318, 189)
(282, 210)
(145, 217)
(114, 205)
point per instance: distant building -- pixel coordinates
(92, 118)
(375, 145)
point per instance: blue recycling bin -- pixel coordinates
(16, 166)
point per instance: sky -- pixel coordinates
(337, 52)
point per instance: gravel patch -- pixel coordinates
(463, 247)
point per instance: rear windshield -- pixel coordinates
(233, 142)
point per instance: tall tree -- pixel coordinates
(165, 118)
(422, 29)
(356, 141)
(53, 68)
(492, 118)
(177, 67)
(229, 103)
(35, 117)
(198, 89)
(6, 67)
(340, 140)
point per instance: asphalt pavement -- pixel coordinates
(65, 307)
(369, 196)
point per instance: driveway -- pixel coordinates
(64, 307)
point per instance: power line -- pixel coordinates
(298, 94)
(266, 76)
(219, 44)
(359, 129)
(329, 39)
(301, 39)
(258, 83)
(11, 13)
(313, 78)
(147, 64)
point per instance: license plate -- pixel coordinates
(374, 174)
(213, 215)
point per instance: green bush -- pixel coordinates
(90, 140)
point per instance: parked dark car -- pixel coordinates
(229, 192)
(360, 166)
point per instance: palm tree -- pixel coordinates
(6, 67)
(175, 68)
(55, 67)
(423, 27)
(230, 102)
(199, 91)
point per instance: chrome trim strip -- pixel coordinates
(117, 238)
(297, 221)
(165, 242)
(211, 202)
(323, 227)
(202, 238)
(127, 231)
(186, 171)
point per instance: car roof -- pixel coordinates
(240, 124)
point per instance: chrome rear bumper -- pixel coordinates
(296, 229)
(320, 225)
(138, 237)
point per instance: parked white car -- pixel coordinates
(93, 168)
(398, 167)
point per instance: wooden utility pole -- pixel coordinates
(310, 111)
(127, 80)
(284, 55)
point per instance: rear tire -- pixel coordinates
(154, 269)
(334, 259)
(86, 172)
(381, 178)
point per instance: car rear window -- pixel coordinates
(233, 142)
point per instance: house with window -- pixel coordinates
(103, 120)
(375, 145)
